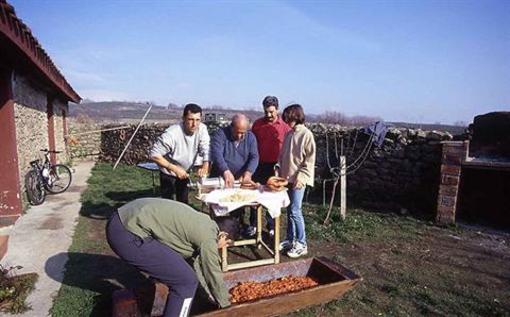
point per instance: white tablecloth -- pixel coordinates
(273, 201)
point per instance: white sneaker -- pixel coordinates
(271, 233)
(297, 250)
(286, 245)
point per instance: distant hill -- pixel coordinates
(118, 110)
(129, 111)
(132, 112)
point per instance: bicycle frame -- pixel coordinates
(36, 165)
(41, 166)
(34, 182)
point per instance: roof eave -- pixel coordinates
(20, 35)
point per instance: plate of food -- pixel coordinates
(238, 196)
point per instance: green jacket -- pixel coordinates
(186, 231)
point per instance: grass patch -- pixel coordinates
(359, 225)
(14, 290)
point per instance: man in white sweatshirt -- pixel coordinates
(178, 149)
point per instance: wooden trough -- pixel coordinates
(334, 280)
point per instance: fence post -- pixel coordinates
(343, 187)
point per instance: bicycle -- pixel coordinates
(46, 177)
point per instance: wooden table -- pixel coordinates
(275, 252)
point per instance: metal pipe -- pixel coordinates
(131, 139)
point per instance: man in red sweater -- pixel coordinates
(270, 131)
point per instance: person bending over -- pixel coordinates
(158, 236)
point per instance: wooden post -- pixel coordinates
(50, 114)
(10, 189)
(343, 187)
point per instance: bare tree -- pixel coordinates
(336, 117)
(172, 105)
(460, 123)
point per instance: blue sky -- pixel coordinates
(415, 61)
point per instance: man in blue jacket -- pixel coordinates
(234, 156)
(234, 151)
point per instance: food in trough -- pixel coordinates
(239, 196)
(250, 291)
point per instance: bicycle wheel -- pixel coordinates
(35, 190)
(59, 179)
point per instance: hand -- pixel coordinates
(180, 172)
(203, 171)
(246, 178)
(223, 240)
(229, 178)
(299, 185)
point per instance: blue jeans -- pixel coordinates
(295, 220)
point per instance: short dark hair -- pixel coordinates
(294, 113)
(270, 101)
(193, 108)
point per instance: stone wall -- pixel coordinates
(84, 139)
(31, 119)
(401, 175)
(31, 123)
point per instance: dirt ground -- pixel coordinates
(436, 273)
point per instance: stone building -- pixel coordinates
(34, 100)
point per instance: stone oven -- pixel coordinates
(475, 174)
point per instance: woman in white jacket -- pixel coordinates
(297, 163)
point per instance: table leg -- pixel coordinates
(259, 224)
(277, 240)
